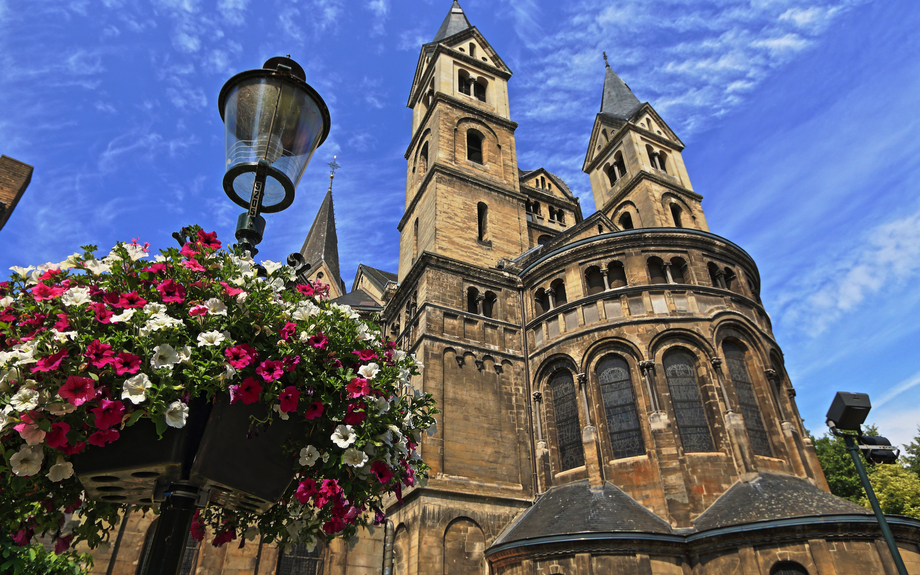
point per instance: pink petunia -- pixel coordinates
(126, 362)
(41, 292)
(270, 370)
(156, 268)
(188, 250)
(305, 289)
(193, 265)
(104, 437)
(289, 398)
(63, 323)
(240, 356)
(78, 390)
(315, 410)
(224, 537)
(382, 471)
(365, 354)
(29, 429)
(75, 448)
(50, 362)
(305, 490)
(208, 239)
(319, 341)
(99, 354)
(112, 298)
(108, 414)
(334, 525)
(171, 292)
(356, 414)
(131, 300)
(287, 331)
(248, 391)
(358, 387)
(290, 362)
(62, 544)
(197, 529)
(231, 291)
(103, 314)
(57, 437)
(198, 310)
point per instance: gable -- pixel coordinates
(587, 228)
(547, 182)
(605, 131)
(648, 119)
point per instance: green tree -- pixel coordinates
(897, 490)
(34, 559)
(838, 467)
(911, 454)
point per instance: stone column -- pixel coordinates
(717, 367)
(542, 452)
(551, 293)
(648, 368)
(479, 299)
(791, 439)
(606, 279)
(734, 425)
(720, 278)
(667, 271)
(589, 439)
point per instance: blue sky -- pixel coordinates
(799, 118)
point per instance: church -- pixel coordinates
(612, 396)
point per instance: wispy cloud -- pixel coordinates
(380, 9)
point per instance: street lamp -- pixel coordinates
(847, 413)
(273, 122)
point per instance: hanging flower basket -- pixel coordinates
(303, 415)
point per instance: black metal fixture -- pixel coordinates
(273, 121)
(847, 413)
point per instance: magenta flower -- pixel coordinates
(248, 391)
(334, 525)
(193, 265)
(108, 414)
(224, 537)
(171, 292)
(365, 354)
(315, 410)
(358, 388)
(103, 314)
(197, 529)
(319, 341)
(63, 324)
(50, 362)
(156, 268)
(329, 490)
(188, 250)
(42, 292)
(305, 490)
(126, 363)
(231, 291)
(198, 310)
(305, 289)
(22, 537)
(57, 437)
(270, 370)
(131, 300)
(112, 298)
(290, 362)
(240, 356)
(78, 390)
(356, 414)
(208, 239)
(287, 331)
(99, 354)
(62, 544)
(289, 398)
(382, 471)
(104, 437)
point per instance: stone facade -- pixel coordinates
(14, 179)
(612, 396)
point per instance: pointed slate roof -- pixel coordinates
(618, 100)
(322, 243)
(454, 23)
(579, 508)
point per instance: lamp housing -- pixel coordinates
(878, 456)
(849, 410)
(273, 122)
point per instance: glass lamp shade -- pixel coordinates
(274, 118)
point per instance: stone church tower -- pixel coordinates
(612, 397)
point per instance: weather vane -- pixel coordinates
(606, 63)
(333, 166)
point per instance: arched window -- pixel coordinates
(714, 274)
(536, 208)
(474, 146)
(423, 160)
(731, 281)
(605, 136)
(663, 163)
(679, 270)
(611, 173)
(652, 156)
(619, 165)
(488, 304)
(616, 275)
(543, 182)
(415, 240)
(482, 217)
(472, 295)
(656, 273)
(626, 221)
(479, 89)
(558, 288)
(620, 407)
(680, 370)
(472, 50)
(788, 568)
(552, 213)
(463, 82)
(568, 429)
(540, 302)
(747, 400)
(594, 281)
(560, 217)
(543, 239)
(300, 561)
(675, 215)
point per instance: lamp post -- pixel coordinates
(847, 413)
(273, 122)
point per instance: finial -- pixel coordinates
(606, 63)
(333, 166)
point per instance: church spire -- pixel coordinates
(618, 101)
(322, 243)
(454, 23)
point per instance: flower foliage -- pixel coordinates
(92, 346)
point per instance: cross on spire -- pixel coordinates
(333, 166)
(606, 63)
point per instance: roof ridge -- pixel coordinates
(455, 22)
(322, 242)
(617, 99)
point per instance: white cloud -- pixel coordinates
(233, 11)
(106, 107)
(380, 8)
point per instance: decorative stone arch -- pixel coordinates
(679, 336)
(557, 379)
(686, 411)
(593, 278)
(729, 327)
(423, 144)
(490, 143)
(401, 547)
(464, 545)
(688, 216)
(619, 345)
(627, 207)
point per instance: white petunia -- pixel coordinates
(210, 338)
(70, 262)
(76, 296)
(216, 307)
(27, 461)
(135, 252)
(325, 457)
(433, 429)
(344, 435)
(158, 322)
(305, 311)
(368, 371)
(399, 355)
(154, 308)
(96, 267)
(354, 457)
(60, 470)
(135, 388)
(24, 272)
(123, 316)
(63, 336)
(383, 405)
(282, 414)
(176, 414)
(185, 354)
(25, 399)
(164, 356)
(6, 301)
(308, 456)
(271, 267)
(59, 406)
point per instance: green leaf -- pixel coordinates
(161, 426)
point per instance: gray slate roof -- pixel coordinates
(579, 508)
(618, 101)
(454, 23)
(773, 496)
(322, 243)
(358, 299)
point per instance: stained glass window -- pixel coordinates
(620, 408)
(747, 401)
(568, 430)
(688, 404)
